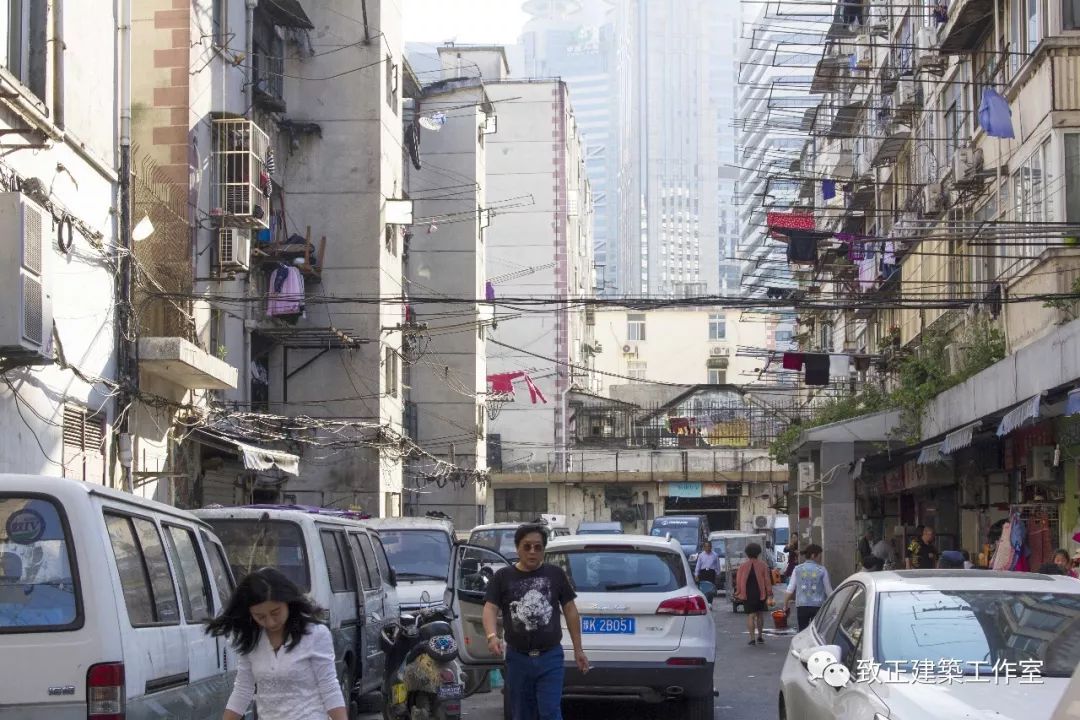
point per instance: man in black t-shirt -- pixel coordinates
(922, 554)
(530, 596)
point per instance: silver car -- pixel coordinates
(936, 644)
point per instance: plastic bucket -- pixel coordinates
(779, 618)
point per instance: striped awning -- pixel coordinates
(958, 439)
(1028, 410)
(930, 455)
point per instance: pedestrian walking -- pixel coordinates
(286, 655)
(1061, 559)
(753, 588)
(866, 543)
(922, 554)
(707, 565)
(530, 595)
(809, 586)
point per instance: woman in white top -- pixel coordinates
(284, 651)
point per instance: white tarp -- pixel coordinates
(1028, 410)
(256, 458)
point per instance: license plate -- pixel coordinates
(607, 625)
(399, 695)
(451, 691)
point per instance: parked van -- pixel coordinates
(338, 561)
(103, 597)
(690, 530)
(419, 552)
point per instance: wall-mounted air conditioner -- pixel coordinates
(234, 248)
(966, 162)
(719, 351)
(933, 200)
(927, 57)
(629, 349)
(864, 52)
(26, 310)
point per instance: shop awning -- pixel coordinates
(931, 455)
(1028, 410)
(958, 439)
(253, 458)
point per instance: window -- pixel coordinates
(954, 110)
(849, 632)
(717, 376)
(635, 326)
(369, 560)
(1029, 196)
(827, 618)
(364, 570)
(784, 336)
(636, 369)
(252, 544)
(347, 560)
(144, 573)
(38, 586)
(520, 504)
(1070, 14)
(392, 503)
(335, 563)
(1072, 176)
(390, 368)
(391, 239)
(219, 568)
(84, 444)
(621, 570)
(1026, 30)
(418, 553)
(194, 587)
(381, 559)
(220, 20)
(717, 327)
(23, 26)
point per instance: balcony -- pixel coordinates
(845, 120)
(268, 80)
(241, 185)
(968, 21)
(185, 364)
(832, 74)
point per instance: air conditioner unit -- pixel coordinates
(906, 95)
(629, 349)
(719, 351)
(864, 52)
(932, 199)
(1041, 468)
(26, 318)
(879, 17)
(965, 164)
(762, 522)
(234, 248)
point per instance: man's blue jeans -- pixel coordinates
(535, 684)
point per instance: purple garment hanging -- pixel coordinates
(289, 300)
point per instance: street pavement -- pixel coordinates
(747, 679)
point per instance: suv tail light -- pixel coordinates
(692, 605)
(105, 692)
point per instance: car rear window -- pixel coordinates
(39, 589)
(252, 544)
(621, 569)
(501, 541)
(980, 629)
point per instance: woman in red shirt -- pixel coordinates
(753, 588)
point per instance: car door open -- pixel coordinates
(471, 570)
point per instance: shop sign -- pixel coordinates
(712, 489)
(684, 489)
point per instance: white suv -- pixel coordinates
(646, 627)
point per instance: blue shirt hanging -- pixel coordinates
(995, 117)
(828, 189)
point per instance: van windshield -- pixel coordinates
(38, 589)
(418, 554)
(501, 540)
(253, 543)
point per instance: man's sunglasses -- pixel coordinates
(532, 547)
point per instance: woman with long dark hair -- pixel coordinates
(284, 651)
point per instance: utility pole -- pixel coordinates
(127, 374)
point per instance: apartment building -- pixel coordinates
(940, 187)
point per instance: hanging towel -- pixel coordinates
(489, 292)
(862, 363)
(271, 162)
(793, 361)
(828, 189)
(839, 366)
(817, 369)
(802, 247)
(287, 295)
(995, 117)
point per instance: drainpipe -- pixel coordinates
(249, 51)
(125, 329)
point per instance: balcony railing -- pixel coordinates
(241, 184)
(268, 80)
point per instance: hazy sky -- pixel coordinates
(464, 21)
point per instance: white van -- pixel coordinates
(338, 561)
(103, 597)
(419, 552)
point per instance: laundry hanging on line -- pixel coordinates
(793, 361)
(817, 369)
(828, 189)
(286, 296)
(839, 366)
(995, 117)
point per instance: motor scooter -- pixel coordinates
(424, 678)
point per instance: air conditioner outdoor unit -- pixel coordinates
(629, 349)
(234, 248)
(927, 56)
(906, 94)
(965, 164)
(879, 20)
(762, 522)
(1041, 468)
(718, 351)
(932, 199)
(26, 314)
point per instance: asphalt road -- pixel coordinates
(747, 679)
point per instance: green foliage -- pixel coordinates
(920, 376)
(1070, 308)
